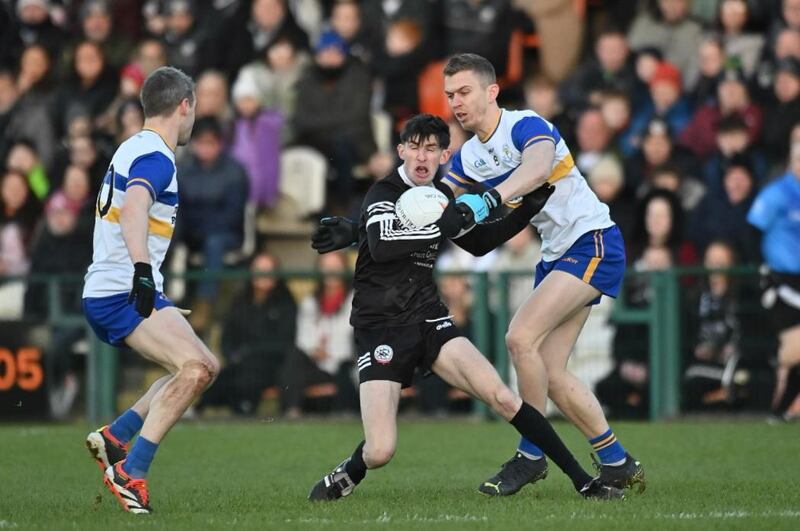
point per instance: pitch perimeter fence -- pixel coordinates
(658, 310)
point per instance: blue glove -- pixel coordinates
(480, 210)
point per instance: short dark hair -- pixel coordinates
(610, 31)
(731, 123)
(420, 127)
(470, 61)
(207, 125)
(740, 160)
(164, 89)
(668, 168)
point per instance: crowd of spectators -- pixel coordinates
(677, 112)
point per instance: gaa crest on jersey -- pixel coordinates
(383, 354)
(508, 157)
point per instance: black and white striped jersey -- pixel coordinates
(393, 281)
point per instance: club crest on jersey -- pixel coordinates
(507, 156)
(383, 354)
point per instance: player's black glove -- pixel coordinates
(334, 233)
(143, 292)
(455, 218)
(534, 201)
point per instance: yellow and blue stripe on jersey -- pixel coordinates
(499, 159)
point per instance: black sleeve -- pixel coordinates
(487, 236)
(386, 238)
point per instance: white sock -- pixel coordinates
(529, 456)
(617, 463)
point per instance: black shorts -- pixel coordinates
(395, 353)
(785, 315)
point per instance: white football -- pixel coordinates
(420, 206)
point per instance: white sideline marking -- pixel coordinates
(6, 523)
(711, 515)
(386, 518)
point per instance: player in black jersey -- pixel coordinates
(401, 323)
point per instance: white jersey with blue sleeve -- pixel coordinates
(572, 210)
(143, 160)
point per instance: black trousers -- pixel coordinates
(301, 372)
(240, 384)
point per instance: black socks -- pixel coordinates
(355, 466)
(537, 429)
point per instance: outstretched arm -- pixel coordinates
(488, 236)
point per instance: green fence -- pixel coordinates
(490, 312)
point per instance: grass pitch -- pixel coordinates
(701, 475)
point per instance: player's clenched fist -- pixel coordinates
(481, 203)
(455, 218)
(143, 292)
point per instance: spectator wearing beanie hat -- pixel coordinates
(666, 102)
(35, 26)
(607, 180)
(256, 141)
(331, 39)
(333, 115)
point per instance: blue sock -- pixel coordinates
(608, 448)
(138, 462)
(528, 449)
(126, 426)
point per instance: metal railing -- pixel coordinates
(490, 314)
